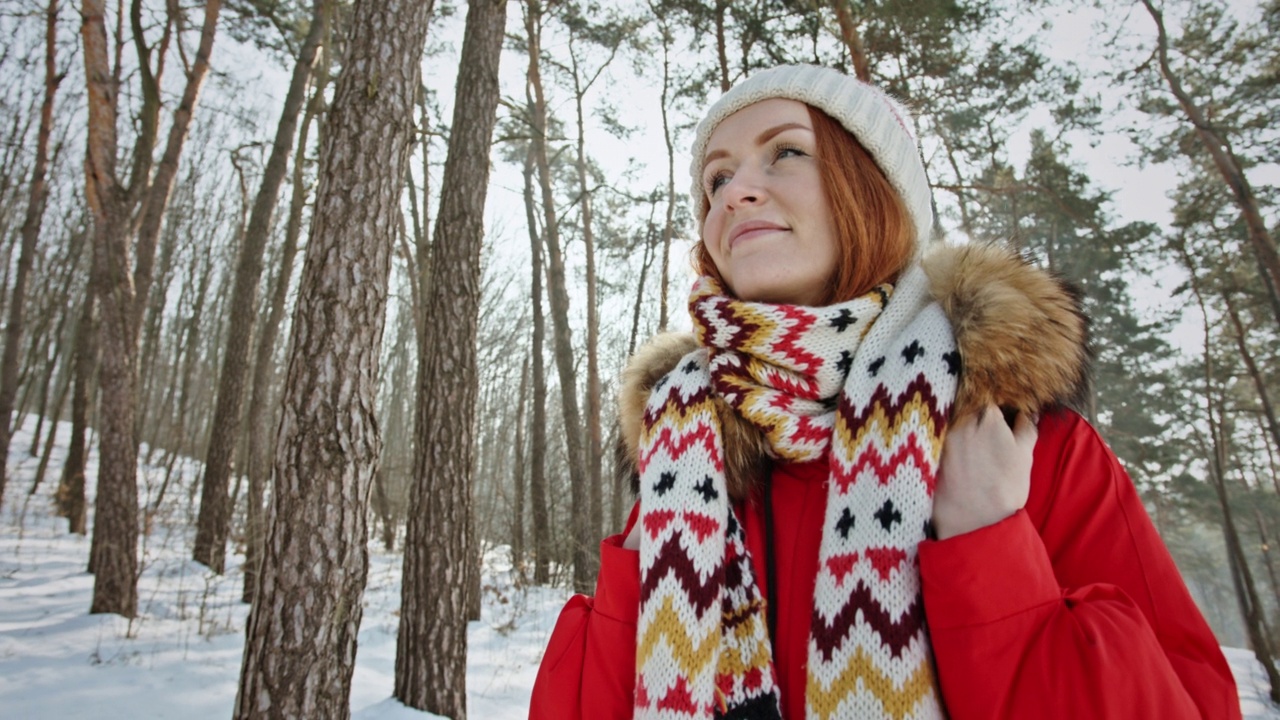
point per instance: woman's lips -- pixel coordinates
(752, 229)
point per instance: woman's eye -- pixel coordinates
(715, 182)
(788, 151)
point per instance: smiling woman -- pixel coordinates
(847, 198)
(769, 224)
(824, 464)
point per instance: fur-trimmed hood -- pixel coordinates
(1020, 331)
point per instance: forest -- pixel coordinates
(376, 265)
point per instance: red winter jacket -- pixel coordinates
(1070, 608)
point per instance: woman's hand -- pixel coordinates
(986, 472)
(632, 541)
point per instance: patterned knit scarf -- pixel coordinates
(871, 382)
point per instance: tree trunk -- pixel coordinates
(440, 557)
(115, 532)
(149, 79)
(1264, 539)
(157, 196)
(538, 415)
(852, 40)
(259, 465)
(1251, 610)
(113, 554)
(584, 560)
(595, 449)
(70, 497)
(30, 233)
(64, 387)
(153, 322)
(59, 361)
(1251, 607)
(668, 228)
(517, 478)
(214, 520)
(192, 328)
(1251, 366)
(301, 636)
(646, 259)
(382, 506)
(722, 57)
(35, 371)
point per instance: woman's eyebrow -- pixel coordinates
(761, 139)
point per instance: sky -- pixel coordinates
(1139, 192)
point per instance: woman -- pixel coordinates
(799, 513)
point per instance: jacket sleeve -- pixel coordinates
(589, 667)
(1072, 607)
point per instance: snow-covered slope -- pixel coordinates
(181, 657)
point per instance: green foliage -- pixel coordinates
(1231, 68)
(1053, 211)
(277, 26)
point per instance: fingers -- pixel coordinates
(632, 540)
(1025, 430)
(985, 470)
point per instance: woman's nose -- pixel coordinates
(744, 188)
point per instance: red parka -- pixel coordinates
(1070, 608)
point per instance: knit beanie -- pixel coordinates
(876, 120)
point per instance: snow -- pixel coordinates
(181, 657)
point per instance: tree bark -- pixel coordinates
(213, 522)
(517, 477)
(722, 57)
(538, 414)
(584, 560)
(259, 465)
(30, 234)
(852, 40)
(70, 498)
(439, 561)
(301, 636)
(115, 534)
(595, 444)
(113, 554)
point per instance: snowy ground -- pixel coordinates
(181, 657)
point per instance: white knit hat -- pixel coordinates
(877, 121)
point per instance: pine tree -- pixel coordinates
(301, 637)
(431, 647)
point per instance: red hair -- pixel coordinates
(877, 238)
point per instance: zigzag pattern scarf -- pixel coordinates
(870, 381)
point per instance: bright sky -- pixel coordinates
(1140, 193)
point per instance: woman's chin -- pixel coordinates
(776, 293)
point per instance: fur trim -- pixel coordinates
(1021, 332)
(653, 360)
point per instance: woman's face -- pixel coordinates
(769, 230)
